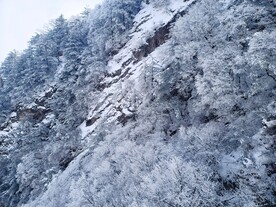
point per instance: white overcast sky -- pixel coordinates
(21, 19)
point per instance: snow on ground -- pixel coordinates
(105, 111)
(147, 21)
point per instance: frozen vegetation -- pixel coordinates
(143, 103)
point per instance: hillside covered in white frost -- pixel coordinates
(143, 103)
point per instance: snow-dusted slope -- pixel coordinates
(124, 67)
(181, 112)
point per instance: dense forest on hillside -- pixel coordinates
(143, 103)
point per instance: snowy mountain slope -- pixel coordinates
(182, 114)
(124, 66)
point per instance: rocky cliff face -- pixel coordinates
(182, 114)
